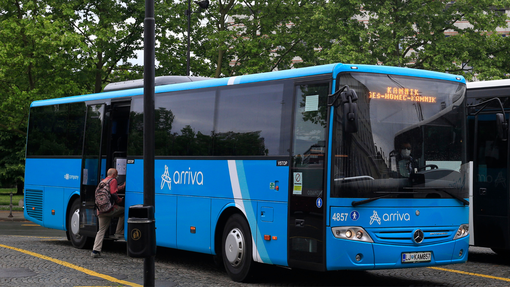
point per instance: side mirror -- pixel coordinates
(350, 109)
(502, 127)
(350, 117)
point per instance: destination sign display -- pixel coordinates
(402, 95)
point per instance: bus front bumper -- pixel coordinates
(346, 254)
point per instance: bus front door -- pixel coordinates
(491, 186)
(93, 167)
(306, 199)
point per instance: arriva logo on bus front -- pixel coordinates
(389, 217)
(187, 177)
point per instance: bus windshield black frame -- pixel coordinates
(411, 145)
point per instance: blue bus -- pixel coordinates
(299, 168)
(488, 149)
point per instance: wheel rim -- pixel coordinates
(234, 247)
(75, 223)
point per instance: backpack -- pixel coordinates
(102, 197)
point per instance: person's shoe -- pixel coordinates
(95, 254)
(118, 236)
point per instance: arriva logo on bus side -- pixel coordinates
(68, 176)
(397, 216)
(181, 177)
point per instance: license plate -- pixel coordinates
(414, 257)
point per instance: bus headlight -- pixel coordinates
(351, 233)
(463, 231)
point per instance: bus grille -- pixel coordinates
(33, 203)
(404, 236)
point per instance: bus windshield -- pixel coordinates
(409, 141)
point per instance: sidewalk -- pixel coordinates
(16, 215)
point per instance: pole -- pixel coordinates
(188, 13)
(148, 127)
(10, 208)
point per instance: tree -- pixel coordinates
(12, 167)
(171, 39)
(34, 60)
(447, 36)
(36, 53)
(272, 35)
(111, 31)
(234, 37)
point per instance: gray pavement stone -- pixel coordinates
(115, 263)
(180, 268)
(15, 272)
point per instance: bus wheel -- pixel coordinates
(73, 227)
(237, 249)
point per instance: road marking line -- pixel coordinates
(72, 266)
(470, 273)
(57, 238)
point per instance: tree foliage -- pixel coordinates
(111, 31)
(449, 36)
(234, 37)
(36, 60)
(59, 48)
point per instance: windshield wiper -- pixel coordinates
(359, 202)
(455, 196)
(421, 189)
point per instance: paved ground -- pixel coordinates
(37, 259)
(52, 261)
(32, 258)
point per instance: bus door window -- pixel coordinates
(307, 173)
(91, 167)
(118, 135)
(490, 167)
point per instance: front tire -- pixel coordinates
(73, 227)
(237, 248)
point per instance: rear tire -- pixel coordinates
(73, 227)
(237, 248)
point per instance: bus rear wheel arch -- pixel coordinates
(236, 251)
(73, 227)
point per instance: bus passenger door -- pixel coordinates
(115, 147)
(93, 167)
(490, 187)
(306, 226)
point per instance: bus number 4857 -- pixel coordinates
(340, 216)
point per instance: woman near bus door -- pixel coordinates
(106, 217)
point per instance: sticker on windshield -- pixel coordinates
(318, 202)
(298, 183)
(312, 103)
